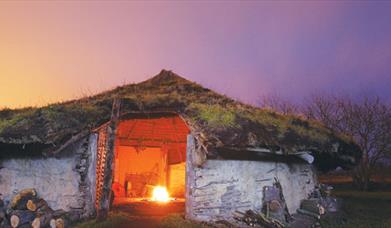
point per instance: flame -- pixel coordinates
(160, 194)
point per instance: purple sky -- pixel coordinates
(62, 50)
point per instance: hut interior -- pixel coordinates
(150, 156)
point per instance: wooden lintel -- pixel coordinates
(141, 140)
(235, 154)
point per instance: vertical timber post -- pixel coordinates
(190, 180)
(103, 205)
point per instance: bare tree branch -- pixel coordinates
(367, 120)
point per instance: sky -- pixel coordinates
(56, 51)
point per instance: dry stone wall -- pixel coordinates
(221, 187)
(65, 183)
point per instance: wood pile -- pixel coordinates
(311, 207)
(254, 219)
(27, 210)
(319, 203)
(274, 213)
(274, 205)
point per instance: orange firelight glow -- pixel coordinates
(160, 194)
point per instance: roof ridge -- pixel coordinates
(166, 76)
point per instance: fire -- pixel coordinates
(160, 194)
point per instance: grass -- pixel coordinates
(10, 118)
(215, 115)
(361, 209)
(358, 210)
(122, 220)
(178, 221)
(118, 220)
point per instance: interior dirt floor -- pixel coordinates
(146, 213)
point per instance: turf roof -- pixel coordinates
(217, 120)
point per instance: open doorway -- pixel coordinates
(150, 158)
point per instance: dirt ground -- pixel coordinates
(147, 214)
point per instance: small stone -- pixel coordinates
(83, 162)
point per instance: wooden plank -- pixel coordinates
(71, 141)
(243, 154)
(152, 140)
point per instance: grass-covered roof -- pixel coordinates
(217, 120)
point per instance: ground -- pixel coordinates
(359, 209)
(362, 209)
(140, 213)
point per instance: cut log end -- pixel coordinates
(52, 223)
(20, 217)
(21, 196)
(60, 223)
(45, 219)
(57, 223)
(36, 223)
(14, 221)
(31, 205)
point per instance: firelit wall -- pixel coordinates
(62, 182)
(177, 176)
(221, 187)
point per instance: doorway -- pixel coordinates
(150, 160)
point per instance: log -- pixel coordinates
(57, 223)
(59, 213)
(252, 218)
(2, 212)
(22, 203)
(311, 205)
(52, 223)
(14, 220)
(278, 185)
(308, 213)
(225, 223)
(5, 224)
(31, 206)
(72, 140)
(19, 201)
(36, 223)
(34, 204)
(43, 207)
(44, 219)
(275, 206)
(19, 217)
(2, 216)
(58, 219)
(27, 225)
(238, 214)
(45, 213)
(322, 210)
(60, 223)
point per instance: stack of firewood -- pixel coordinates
(319, 203)
(311, 207)
(254, 219)
(26, 209)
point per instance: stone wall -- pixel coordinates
(65, 182)
(222, 186)
(54, 179)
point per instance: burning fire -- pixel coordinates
(160, 194)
